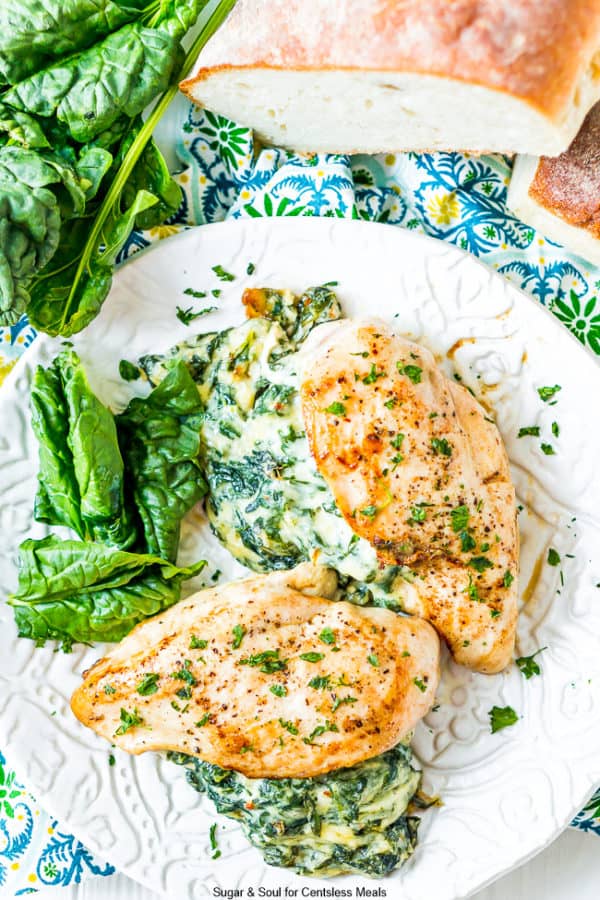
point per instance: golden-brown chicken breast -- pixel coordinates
(266, 676)
(418, 469)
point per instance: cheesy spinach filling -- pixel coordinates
(266, 501)
(351, 820)
(270, 507)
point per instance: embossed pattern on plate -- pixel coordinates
(505, 795)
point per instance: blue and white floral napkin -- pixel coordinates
(455, 197)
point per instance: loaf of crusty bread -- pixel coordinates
(385, 75)
(560, 195)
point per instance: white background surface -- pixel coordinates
(569, 868)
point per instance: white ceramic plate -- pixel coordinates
(505, 795)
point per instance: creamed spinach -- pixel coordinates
(267, 502)
(271, 509)
(352, 820)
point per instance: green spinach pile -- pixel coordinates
(78, 167)
(122, 484)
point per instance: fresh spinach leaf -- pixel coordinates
(90, 90)
(77, 591)
(160, 441)
(34, 33)
(81, 474)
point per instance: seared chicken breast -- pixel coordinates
(418, 469)
(268, 676)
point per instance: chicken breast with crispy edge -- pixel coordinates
(419, 470)
(269, 676)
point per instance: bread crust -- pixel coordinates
(569, 185)
(536, 50)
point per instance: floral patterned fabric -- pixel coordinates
(455, 197)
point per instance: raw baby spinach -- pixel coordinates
(78, 591)
(123, 484)
(81, 474)
(78, 168)
(160, 442)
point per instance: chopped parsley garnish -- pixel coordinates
(128, 371)
(502, 717)
(268, 661)
(467, 542)
(412, 372)
(197, 643)
(441, 447)
(289, 726)
(109, 689)
(148, 685)
(327, 635)
(336, 409)
(391, 403)
(374, 660)
(238, 632)
(202, 722)
(417, 514)
(341, 701)
(222, 275)
(548, 449)
(129, 720)
(373, 375)
(319, 730)
(472, 592)
(188, 315)
(197, 295)
(320, 682)
(460, 518)
(553, 557)
(185, 692)
(312, 657)
(508, 579)
(397, 459)
(247, 748)
(494, 613)
(547, 393)
(216, 575)
(111, 759)
(216, 292)
(555, 429)
(363, 353)
(480, 563)
(185, 674)
(279, 690)
(533, 430)
(527, 664)
(250, 268)
(396, 442)
(213, 841)
(369, 511)
(418, 682)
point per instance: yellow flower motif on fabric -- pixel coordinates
(159, 232)
(5, 367)
(444, 208)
